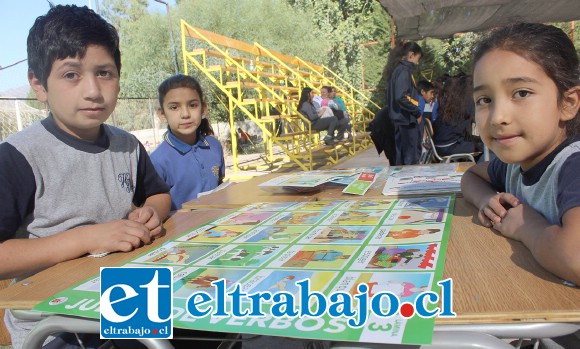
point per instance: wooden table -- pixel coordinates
(240, 194)
(244, 193)
(499, 288)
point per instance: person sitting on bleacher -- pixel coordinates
(340, 103)
(331, 107)
(308, 108)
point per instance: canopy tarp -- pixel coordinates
(416, 19)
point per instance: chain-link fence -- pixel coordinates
(136, 115)
(131, 114)
(17, 114)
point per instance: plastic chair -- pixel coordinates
(430, 152)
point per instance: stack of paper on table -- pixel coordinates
(428, 179)
(313, 180)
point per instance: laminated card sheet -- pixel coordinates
(395, 245)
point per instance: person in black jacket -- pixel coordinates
(452, 129)
(403, 102)
(383, 134)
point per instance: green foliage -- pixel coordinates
(346, 27)
(456, 53)
(325, 32)
(448, 56)
(145, 46)
(120, 12)
(271, 23)
(146, 56)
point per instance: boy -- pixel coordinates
(427, 102)
(68, 183)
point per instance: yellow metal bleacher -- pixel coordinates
(264, 85)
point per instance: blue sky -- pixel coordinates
(16, 18)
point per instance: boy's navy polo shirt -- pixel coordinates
(189, 169)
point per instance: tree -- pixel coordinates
(120, 12)
(456, 54)
(271, 23)
(346, 26)
(146, 56)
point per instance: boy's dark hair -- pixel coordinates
(67, 31)
(178, 81)
(547, 46)
(425, 85)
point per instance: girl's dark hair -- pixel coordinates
(397, 53)
(178, 81)
(304, 97)
(67, 31)
(547, 46)
(456, 100)
(439, 84)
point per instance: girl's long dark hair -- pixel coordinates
(456, 100)
(304, 97)
(397, 53)
(180, 80)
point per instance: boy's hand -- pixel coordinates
(148, 216)
(120, 235)
(495, 209)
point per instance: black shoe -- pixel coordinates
(328, 140)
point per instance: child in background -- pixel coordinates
(70, 184)
(427, 102)
(402, 102)
(527, 96)
(190, 159)
(453, 126)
